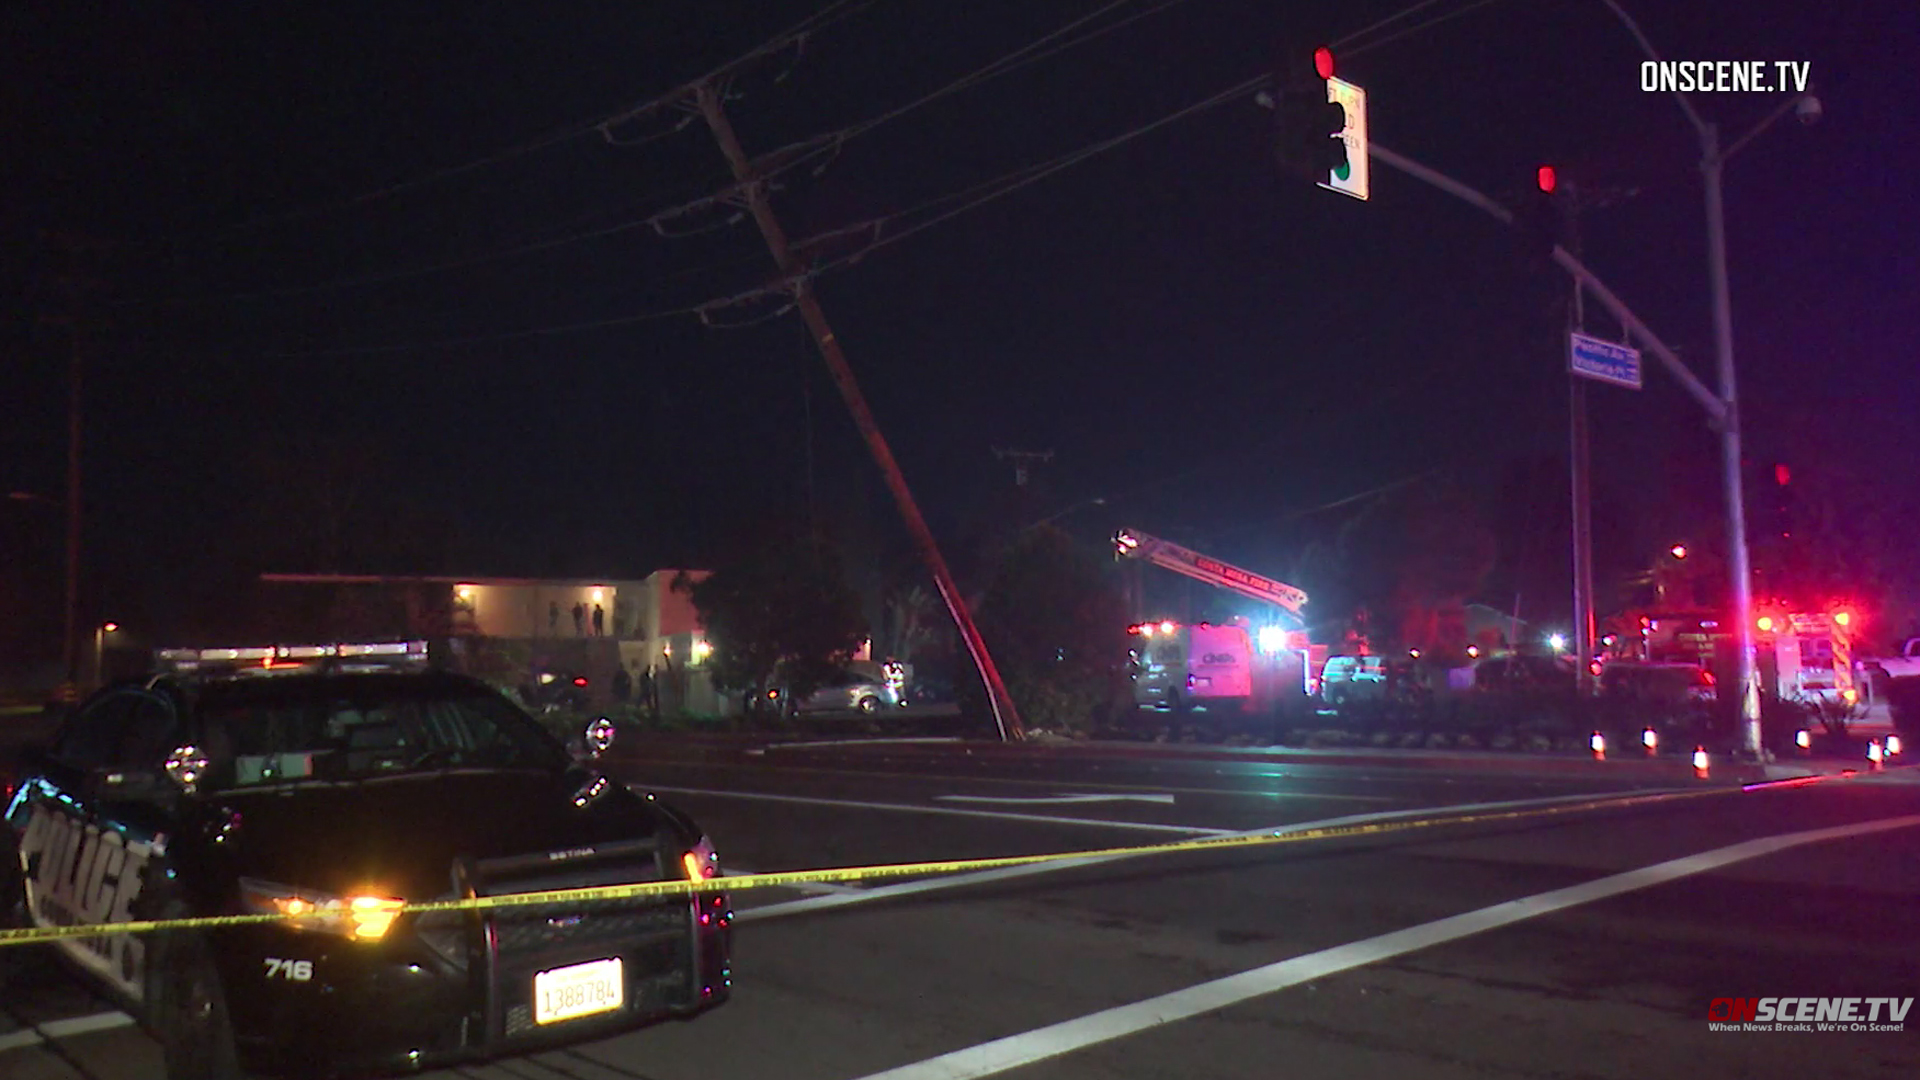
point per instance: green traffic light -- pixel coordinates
(1344, 171)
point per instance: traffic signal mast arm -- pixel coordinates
(1716, 410)
(1134, 544)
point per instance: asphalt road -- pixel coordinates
(1519, 947)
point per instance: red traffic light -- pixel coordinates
(1323, 62)
(1547, 179)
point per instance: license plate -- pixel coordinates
(578, 990)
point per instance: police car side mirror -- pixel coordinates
(593, 741)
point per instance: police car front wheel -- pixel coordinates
(195, 1029)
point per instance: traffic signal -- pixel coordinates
(1542, 217)
(1311, 139)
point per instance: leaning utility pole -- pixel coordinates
(755, 190)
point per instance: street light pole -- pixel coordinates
(1740, 563)
(100, 632)
(1713, 160)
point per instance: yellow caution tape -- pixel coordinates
(849, 874)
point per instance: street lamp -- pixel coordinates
(1713, 157)
(100, 633)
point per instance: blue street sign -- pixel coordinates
(1603, 361)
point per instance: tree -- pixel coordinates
(1412, 560)
(782, 605)
(1055, 619)
(912, 621)
(325, 503)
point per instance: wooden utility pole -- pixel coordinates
(755, 190)
(72, 284)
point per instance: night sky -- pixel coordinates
(330, 229)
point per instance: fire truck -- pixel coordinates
(1804, 656)
(1233, 666)
(1813, 656)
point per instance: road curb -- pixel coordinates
(1666, 768)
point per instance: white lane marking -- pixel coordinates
(1053, 1040)
(61, 1029)
(955, 881)
(909, 808)
(1035, 800)
(81, 1025)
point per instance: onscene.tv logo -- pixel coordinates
(1809, 1010)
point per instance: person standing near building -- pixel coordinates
(579, 620)
(650, 694)
(599, 621)
(553, 618)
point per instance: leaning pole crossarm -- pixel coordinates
(1005, 716)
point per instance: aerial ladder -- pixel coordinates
(1134, 544)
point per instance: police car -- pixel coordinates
(337, 783)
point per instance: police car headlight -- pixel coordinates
(362, 917)
(702, 863)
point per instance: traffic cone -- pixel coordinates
(1803, 742)
(1599, 744)
(1875, 755)
(1700, 762)
(1650, 739)
(1893, 745)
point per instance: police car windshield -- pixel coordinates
(358, 729)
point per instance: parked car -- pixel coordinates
(1353, 678)
(930, 690)
(1664, 684)
(1520, 671)
(847, 692)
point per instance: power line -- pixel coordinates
(1030, 53)
(1419, 27)
(1388, 21)
(807, 152)
(1008, 183)
(971, 197)
(702, 310)
(603, 123)
(981, 194)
